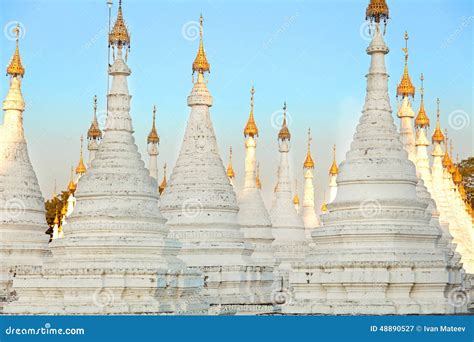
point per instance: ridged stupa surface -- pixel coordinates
(115, 257)
(201, 207)
(22, 213)
(377, 252)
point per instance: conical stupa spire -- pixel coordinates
(308, 162)
(230, 168)
(251, 129)
(405, 87)
(15, 68)
(81, 167)
(438, 136)
(119, 36)
(422, 120)
(200, 64)
(163, 184)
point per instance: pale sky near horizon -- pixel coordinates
(308, 53)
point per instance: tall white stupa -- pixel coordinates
(406, 90)
(377, 251)
(23, 239)
(201, 207)
(310, 218)
(116, 257)
(253, 216)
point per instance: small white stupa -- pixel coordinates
(94, 134)
(406, 114)
(253, 216)
(22, 214)
(115, 257)
(201, 207)
(333, 171)
(377, 251)
(310, 218)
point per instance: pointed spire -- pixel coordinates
(296, 198)
(422, 120)
(405, 87)
(258, 183)
(457, 176)
(153, 137)
(230, 169)
(72, 186)
(119, 35)
(81, 167)
(309, 163)
(437, 134)
(251, 129)
(94, 132)
(333, 171)
(284, 133)
(163, 184)
(447, 163)
(452, 167)
(200, 64)
(324, 207)
(15, 68)
(55, 192)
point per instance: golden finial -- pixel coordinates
(457, 176)
(81, 167)
(324, 207)
(94, 131)
(119, 35)
(163, 184)
(376, 11)
(296, 199)
(72, 186)
(200, 63)
(405, 87)
(333, 171)
(447, 163)
(230, 169)
(452, 168)
(251, 129)
(257, 178)
(438, 136)
(308, 162)
(15, 68)
(153, 137)
(284, 133)
(422, 119)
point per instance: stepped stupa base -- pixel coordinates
(114, 291)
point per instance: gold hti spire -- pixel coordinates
(405, 87)
(94, 131)
(438, 136)
(452, 167)
(119, 35)
(296, 198)
(284, 133)
(230, 169)
(81, 167)
(457, 176)
(72, 186)
(333, 171)
(308, 162)
(251, 129)
(447, 162)
(257, 177)
(422, 120)
(163, 184)
(153, 137)
(200, 63)
(324, 207)
(15, 68)
(376, 11)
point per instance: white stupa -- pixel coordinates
(115, 257)
(406, 114)
(290, 242)
(310, 218)
(333, 171)
(22, 214)
(153, 141)
(94, 134)
(377, 251)
(201, 207)
(253, 216)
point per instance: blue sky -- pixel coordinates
(308, 53)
